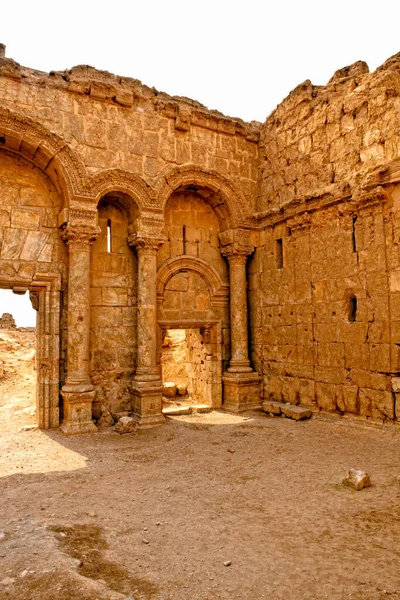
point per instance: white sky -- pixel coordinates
(240, 57)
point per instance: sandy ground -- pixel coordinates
(205, 507)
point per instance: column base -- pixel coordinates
(242, 391)
(77, 407)
(147, 403)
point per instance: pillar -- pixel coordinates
(241, 384)
(147, 384)
(78, 392)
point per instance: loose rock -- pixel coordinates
(126, 425)
(357, 479)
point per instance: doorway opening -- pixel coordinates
(17, 360)
(190, 367)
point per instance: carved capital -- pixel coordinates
(80, 236)
(34, 298)
(236, 251)
(145, 243)
(236, 243)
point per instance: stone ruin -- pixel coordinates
(127, 213)
(7, 321)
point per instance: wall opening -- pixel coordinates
(279, 253)
(353, 234)
(352, 309)
(17, 359)
(189, 369)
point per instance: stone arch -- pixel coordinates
(219, 291)
(231, 201)
(46, 150)
(118, 180)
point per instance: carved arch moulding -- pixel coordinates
(219, 291)
(118, 180)
(192, 175)
(46, 150)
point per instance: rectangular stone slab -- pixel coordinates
(176, 410)
(273, 407)
(296, 412)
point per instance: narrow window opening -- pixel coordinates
(353, 234)
(279, 254)
(352, 309)
(184, 238)
(109, 235)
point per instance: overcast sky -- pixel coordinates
(240, 57)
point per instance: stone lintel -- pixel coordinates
(77, 406)
(147, 403)
(241, 392)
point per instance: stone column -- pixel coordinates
(147, 384)
(241, 382)
(78, 391)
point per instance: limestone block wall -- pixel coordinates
(116, 122)
(326, 139)
(29, 206)
(113, 323)
(325, 325)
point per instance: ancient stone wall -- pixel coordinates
(127, 212)
(7, 321)
(116, 122)
(323, 282)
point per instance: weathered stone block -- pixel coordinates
(357, 480)
(297, 413)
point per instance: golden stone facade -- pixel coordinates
(126, 212)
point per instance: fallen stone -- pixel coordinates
(296, 412)
(170, 411)
(169, 389)
(28, 428)
(227, 563)
(182, 390)
(126, 425)
(356, 479)
(274, 408)
(106, 420)
(201, 408)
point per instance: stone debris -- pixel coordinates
(296, 412)
(201, 408)
(273, 408)
(227, 563)
(126, 425)
(170, 389)
(357, 480)
(106, 420)
(173, 411)
(292, 411)
(182, 390)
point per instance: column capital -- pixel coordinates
(236, 243)
(237, 251)
(80, 236)
(146, 243)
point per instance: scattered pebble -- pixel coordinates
(145, 541)
(227, 563)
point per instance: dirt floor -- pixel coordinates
(206, 507)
